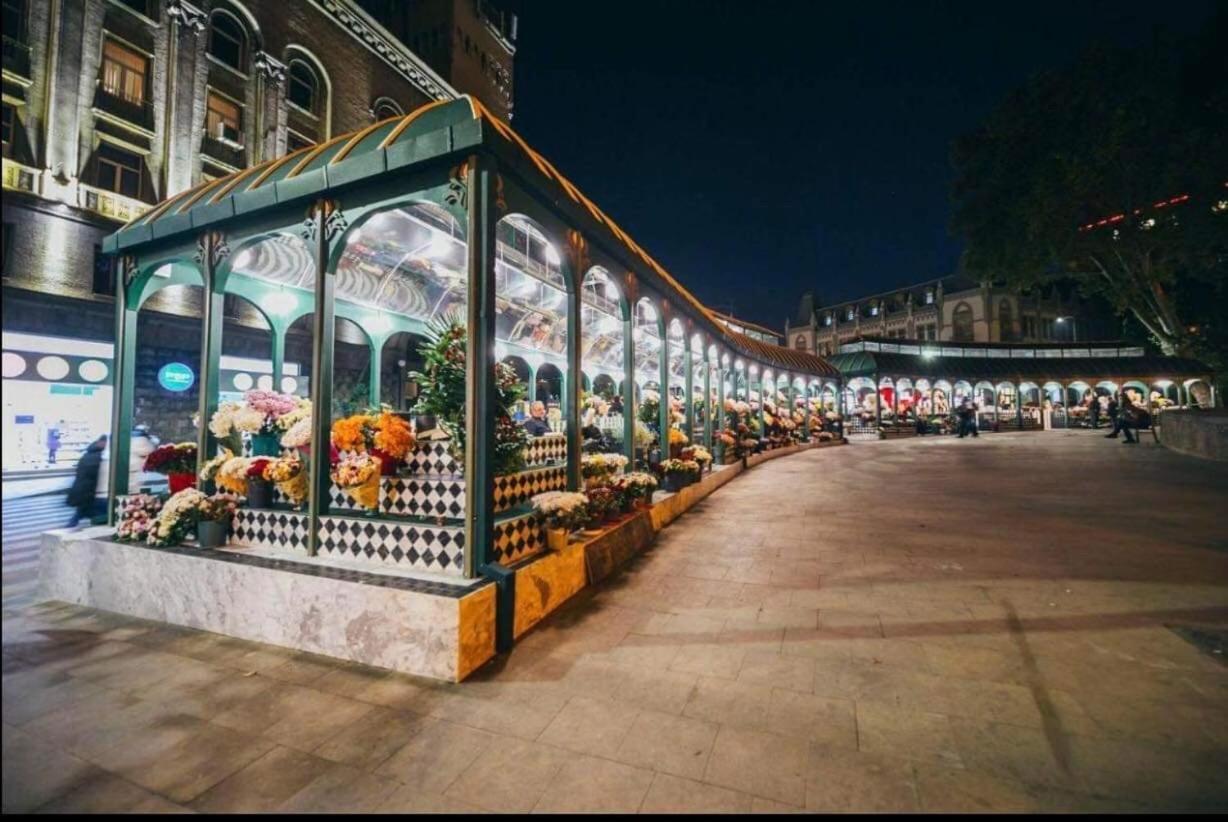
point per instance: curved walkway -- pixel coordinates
(1007, 623)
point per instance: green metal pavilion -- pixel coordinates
(444, 210)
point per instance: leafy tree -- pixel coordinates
(1108, 139)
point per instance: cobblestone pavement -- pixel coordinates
(912, 625)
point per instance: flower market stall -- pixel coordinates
(445, 227)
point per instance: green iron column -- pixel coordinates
(663, 416)
(878, 404)
(123, 381)
(688, 392)
(211, 317)
(762, 408)
(629, 411)
(571, 396)
(480, 369)
(373, 370)
(323, 336)
(806, 408)
(278, 334)
(1019, 405)
(708, 403)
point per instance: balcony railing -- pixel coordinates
(116, 104)
(110, 204)
(17, 57)
(19, 177)
(224, 151)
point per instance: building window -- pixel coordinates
(224, 119)
(799, 342)
(849, 317)
(8, 128)
(139, 6)
(929, 297)
(302, 86)
(827, 320)
(961, 322)
(296, 141)
(227, 40)
(118, 171)
(874, 311)
(14, 21)
(123, 72)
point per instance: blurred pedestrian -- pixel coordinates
(81, 495)
(53, 442)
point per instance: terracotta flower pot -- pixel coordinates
(180, 481)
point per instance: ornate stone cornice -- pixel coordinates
(371, 34)
(270, 67)
(191, 19)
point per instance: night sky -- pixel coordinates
(760, 149)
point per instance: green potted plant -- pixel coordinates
(214, 515)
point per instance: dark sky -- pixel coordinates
(759, 149)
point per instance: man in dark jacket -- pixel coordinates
(81, 494)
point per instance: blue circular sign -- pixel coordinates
(175, 376)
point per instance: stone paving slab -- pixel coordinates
(1002, 624)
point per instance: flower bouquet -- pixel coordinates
(177, 462)
(604, 503)
(636, 488)
(702, 456)
(232, 475)
(563, 512)
(136, 517)
(213, 517)
(259, 490)
(359, 476)
(677, 440)
(382, 434)
(289, 474)
(208, 471)
(598, 468)
(679, 473)
(176, 519)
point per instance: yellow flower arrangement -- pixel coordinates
(232, 475)
(359, 475)
(393, 435)
(349, 433)
(676, 437)
(290, 476)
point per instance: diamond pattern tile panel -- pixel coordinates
(518, 538)
(547, 449)
(513, 489)
(402, 545)
(284, 530)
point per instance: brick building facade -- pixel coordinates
(113, 105)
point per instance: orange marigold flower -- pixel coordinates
(393, 436)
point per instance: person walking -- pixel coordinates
(81, 495)
(1122, 417)
(53, 442)
(1093, 410)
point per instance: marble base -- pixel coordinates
(432, 629)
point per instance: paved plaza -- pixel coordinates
(1018, 622)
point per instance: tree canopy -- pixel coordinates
(1112, 172)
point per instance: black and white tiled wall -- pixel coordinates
(439, 549)
(517, 538)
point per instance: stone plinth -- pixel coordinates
(427, 628)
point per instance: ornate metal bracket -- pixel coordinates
(334, 220)
(127, 270)
(217, 250)
(458, 188)
(500, 203)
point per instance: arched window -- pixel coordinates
(799, 342)
(303, 85)
(961, 322)
(227, 40)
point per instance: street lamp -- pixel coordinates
(1062, 321)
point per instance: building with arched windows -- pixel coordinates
(950, 308)
(111, 106)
